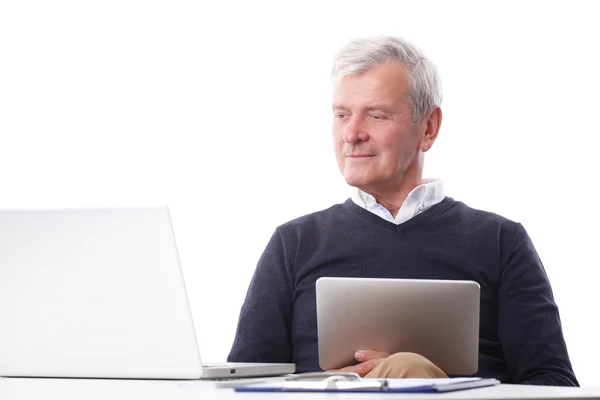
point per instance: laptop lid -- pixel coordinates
(93, 293)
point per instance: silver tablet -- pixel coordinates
(438, 319)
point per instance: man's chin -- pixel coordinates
(357, 182)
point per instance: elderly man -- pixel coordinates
(386, 115)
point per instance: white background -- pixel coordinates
(222, 111)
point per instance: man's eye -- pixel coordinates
(377, 117)
(340, 116)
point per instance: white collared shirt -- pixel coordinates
(418, 200)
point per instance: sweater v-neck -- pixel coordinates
(360, 212)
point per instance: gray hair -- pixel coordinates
(360, 55)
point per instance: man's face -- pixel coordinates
(374, 136)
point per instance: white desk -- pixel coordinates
(92, 389)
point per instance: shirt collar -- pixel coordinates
(427, 194)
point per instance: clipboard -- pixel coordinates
(352, 383)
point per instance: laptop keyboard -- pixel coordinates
(213, 365)
(227, 365)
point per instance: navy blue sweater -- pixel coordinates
(521, 339)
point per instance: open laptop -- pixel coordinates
(438, 319)
(99, 293)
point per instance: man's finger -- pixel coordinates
(363, 368)
(366, 355)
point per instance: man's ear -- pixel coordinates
(431, 128)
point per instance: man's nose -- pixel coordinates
(354, 130)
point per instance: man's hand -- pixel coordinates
(368, 359)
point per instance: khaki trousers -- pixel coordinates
(406, 365)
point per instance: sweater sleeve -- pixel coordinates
(263, 331)
(529, 325)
